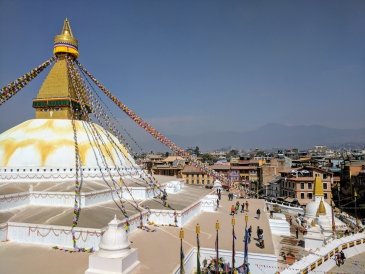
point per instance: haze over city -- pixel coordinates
(201, 67)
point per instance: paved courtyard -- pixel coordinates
(158, 251)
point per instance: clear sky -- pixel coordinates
(197, 66)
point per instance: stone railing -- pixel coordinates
(3, 232)
(285, 206)
(55, 235)
(322, 260)
(66, 199)
(28, 175)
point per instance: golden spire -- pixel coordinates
(57, 97)
(65, 42)
(318, 186)
(321, 208)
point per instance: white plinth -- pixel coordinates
(122, 265)
(313, 239)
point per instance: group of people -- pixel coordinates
(223, 267)
(340, 258)
(235, 208)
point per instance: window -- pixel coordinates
(324, 185)
(309, 195)
(302, 186)
(325, 195)
(309, 185)
(324, 176)
(302, 195)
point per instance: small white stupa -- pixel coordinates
(115, 255)
(319, 215)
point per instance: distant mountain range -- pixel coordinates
(272, 136)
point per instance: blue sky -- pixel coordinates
(201, 66)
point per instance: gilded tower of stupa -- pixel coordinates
(57, 98)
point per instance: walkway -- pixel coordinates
(353, 265)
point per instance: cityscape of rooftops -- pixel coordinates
(182, 137)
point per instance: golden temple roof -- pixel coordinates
(318, 186)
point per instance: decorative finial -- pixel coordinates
(321, 208)
(66, 42)
(318, 186)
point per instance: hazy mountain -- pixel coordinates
(272, 135)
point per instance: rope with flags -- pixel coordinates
(14, 87)
(155, 133)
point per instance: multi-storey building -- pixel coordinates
(170, 166)
(248, 169)
(299, 184)
(194, 175)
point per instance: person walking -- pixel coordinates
(242, 207)
(258, 231)
(249, 233)
(290, 220)
(237, 206)
(342, 256)
(258, 212)
(233, 210)
(246, 206)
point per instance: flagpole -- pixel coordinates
(217, 248)
(181, 235)
(233, 244)
(197, 231)
(246, 246)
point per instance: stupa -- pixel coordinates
(322, 224)
(43, 148)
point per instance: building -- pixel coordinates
(248, 169)
(169, 166)
(299, 184)
(195, 176)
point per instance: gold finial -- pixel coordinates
(313, 223)
(65, 42)
(233, 222)
(246, 218)
(318, 186)
(321, 208)
(66, 30)
(181, 234)
(217, 225)
(197, 229)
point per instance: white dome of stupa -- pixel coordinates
(114, 241)
(318, 206)
(49, 143)
(312, 208)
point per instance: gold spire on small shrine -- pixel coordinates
(321, 208)
(318, 186)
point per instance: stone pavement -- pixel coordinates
(353, 265)
(158, 251)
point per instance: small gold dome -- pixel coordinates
(66, 42)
